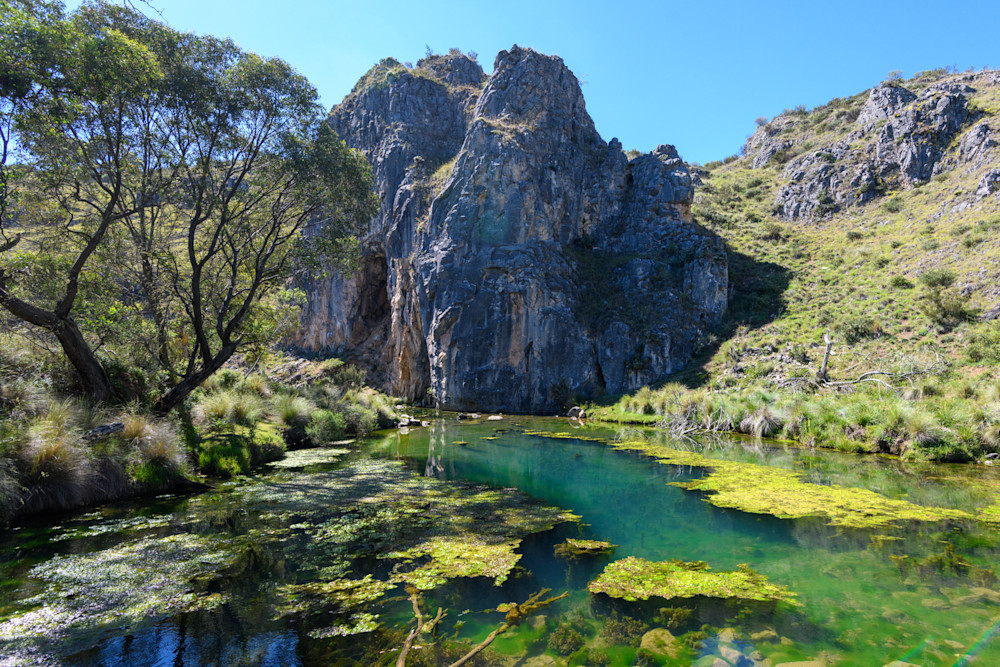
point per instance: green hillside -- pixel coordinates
(901, 272)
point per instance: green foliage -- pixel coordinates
(983, 345)
(894, 204)
(326, 426)
(636, 579)
(942, 304)
(138, 136)
(858, 328)
(342, 374)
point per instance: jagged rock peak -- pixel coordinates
(885, 101)
(518, 259)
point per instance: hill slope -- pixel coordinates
(873, 219)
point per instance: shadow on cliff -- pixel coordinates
(756, 298)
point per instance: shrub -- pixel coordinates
(266, 446)
(901, 282)
(55, 466)
(246, 410)
(292, 414)
(858, 328)
(159, 448)
(984, 345)
(326, 426)
(772, 231)
(342, 374)
(224, 455)
(764, 423)
(941, 278)
(940, 303)
(214, 407)
(893, 204)
(360, 419)
(254, 384)
(229, 408)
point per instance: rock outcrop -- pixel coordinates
(518, 258)
(898, 140)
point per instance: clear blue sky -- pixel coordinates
(694, 74)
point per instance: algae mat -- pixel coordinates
(782, 493)
(325, 521)
(634, 579)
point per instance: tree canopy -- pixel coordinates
(158, 190)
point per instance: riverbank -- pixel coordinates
(925, 425)
(60, 453)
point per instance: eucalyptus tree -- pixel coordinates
(174, 180)
(72, 94)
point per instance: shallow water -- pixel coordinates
(857, 607)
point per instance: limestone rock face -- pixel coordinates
(884, 102)
(899, 141)
(518, 258)
(915, 137)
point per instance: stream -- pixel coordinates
(231, 576)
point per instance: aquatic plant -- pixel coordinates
(565, 640)
(122, 588)
(623, 629)
(634, 579)
(766, 490)
(572, 548)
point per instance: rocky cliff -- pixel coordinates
(518, 258)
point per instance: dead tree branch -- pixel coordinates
(419, 628)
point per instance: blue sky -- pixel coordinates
(694, 74)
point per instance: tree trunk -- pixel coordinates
(93, 378)
(821, 373)
(181, 390)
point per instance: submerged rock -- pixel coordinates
(518, 258)
(661, 642)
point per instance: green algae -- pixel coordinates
(327, 520)
(346, 594)
(635, 579)
(456, 556)
(562, 435)
(117, 526)
(356, 624)
(303, 458)
(434, 531)
(782, 493)
(572, 548)
(128, 586)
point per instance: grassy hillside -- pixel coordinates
(907, 286)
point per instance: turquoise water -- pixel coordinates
(857, 606)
